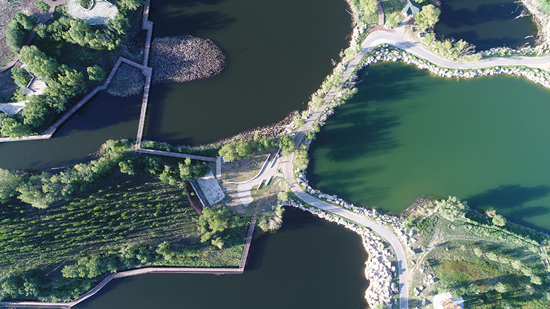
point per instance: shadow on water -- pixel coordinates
(508, 196)
(511, 198)
(483, 14)
(188, 23)
(365, 123)
(485, 23)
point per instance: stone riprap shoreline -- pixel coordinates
(185, 58)
(378, 269)
(386, 53)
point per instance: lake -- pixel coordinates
(486, 23)
(408, 133)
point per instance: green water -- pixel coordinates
(407, 133)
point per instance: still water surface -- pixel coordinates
(309, 263)
(486, 23)
(278, 54)
(407, 133)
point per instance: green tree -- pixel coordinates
(214, 221)
(501, 288)
(243, 149)
(15, 36)
(536, 280)
(229, 153)
(165, 250)
(499, 220)
(130, 4)
(25, 21)
(14, 128)
(265, 143)
(427, 17)
(301, 159)
(452, 208)
(20, 76)
(95, 73)
(287, 144)
(19, 95)
(9, 182)
(127, 167)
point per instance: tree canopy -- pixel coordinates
(452, 208)
(427, 17)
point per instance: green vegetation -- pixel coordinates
(93, 228)
(20, 76)
(301, 159)
(87, 4)
(490, 263)
(287, 144)
(70, 55)
(427, 17)
(18, 29)
(43, 6)
(220, 226)
(242, 149)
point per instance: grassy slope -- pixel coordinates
(457, 269)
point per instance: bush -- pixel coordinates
(287, 144)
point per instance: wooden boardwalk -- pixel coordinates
(142, 271)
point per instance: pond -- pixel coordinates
(308, 263)
(486, 23)
(278, 53)
(408, 133)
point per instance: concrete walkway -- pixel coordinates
(380, 230)
(267, 173)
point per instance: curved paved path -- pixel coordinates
(379, 37)
(380, 230)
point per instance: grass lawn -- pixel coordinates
(488, 266)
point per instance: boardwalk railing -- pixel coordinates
(146, 270)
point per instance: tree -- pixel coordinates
(9, 182)
(301, 159)
(452, 208)
(214, 221)
(243, 149)
(130, 4)
(25, 21)
(15, 36)
(127, 167)
(165, 250)
(499, 220)
(14, 128)
(478, 252)
(95, 73)
(428, 17)
(265, 143)
(287, 144)
(536, 280)
(228, 152)
(20, 76)
(501, 288)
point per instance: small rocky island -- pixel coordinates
(185, 58)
